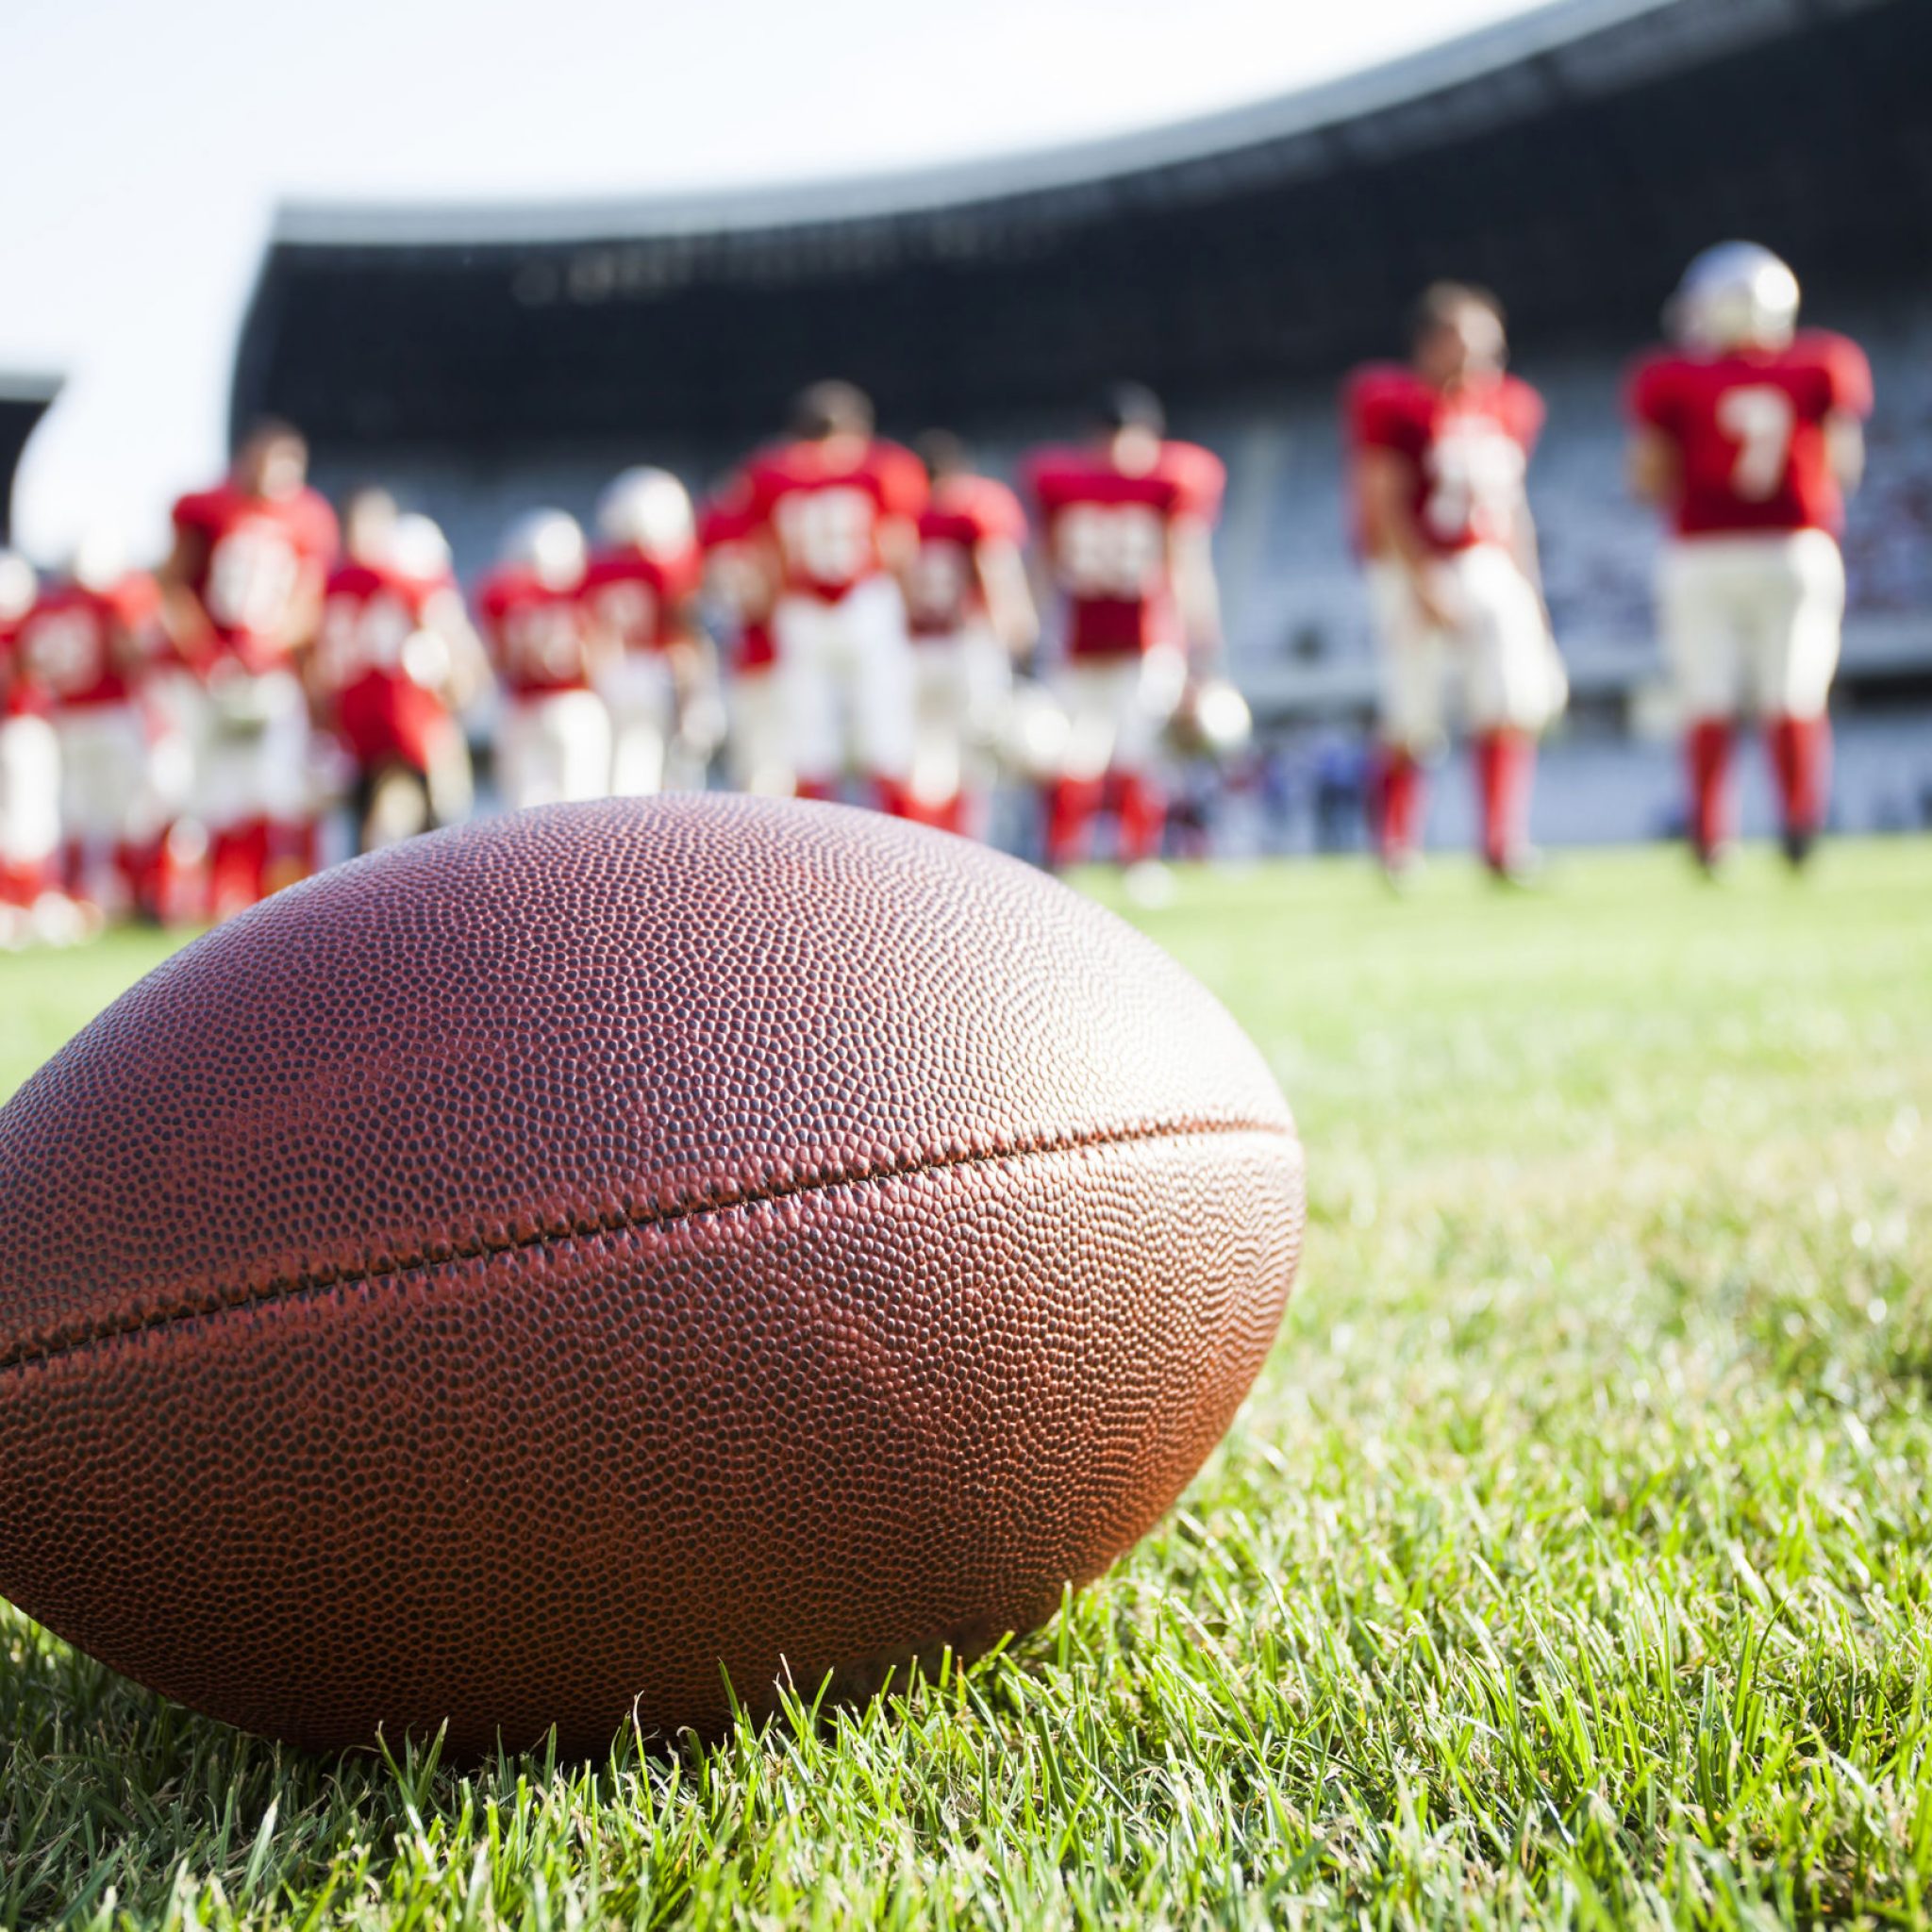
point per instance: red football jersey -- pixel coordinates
(945, 592)
(1107, 538)
(19, 696)
(1469, 448)
(369, 614)
(539, 638)
(1748, 426)
(639, 599)
(726, 528)
(259, 555)
(824, 519)
(84, 649)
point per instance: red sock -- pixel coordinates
(1708, 753)
(23, 881)
(824, 791)
(288, 852)
(1800, 758)
(1071, 804)
(238, 855)
(1505, 764)
(1395, 803)
(894, 797)
(1141, 810)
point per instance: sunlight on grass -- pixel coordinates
(1573, 1561)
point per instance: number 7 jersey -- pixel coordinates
(1749, 430)
(1106, 533)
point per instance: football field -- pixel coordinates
(1571, 1561)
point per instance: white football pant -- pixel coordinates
(759, 742)
(251, 753)
(642, 698)
(29, 792)
(1752, 623)
(108, 794)
(960, 688)
(1497, 658)
(1117, 709)
(552, 747)
(846, 670)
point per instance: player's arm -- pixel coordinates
(1001, 568)
(1196, 590)
(1387, 480)
(1844, 449)
(445, 616)
(1651, 466)
(183, 617)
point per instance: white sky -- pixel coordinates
(144, 147)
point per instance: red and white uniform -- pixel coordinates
(261, 560)
(1469, 451)
(641, 602)
(88, 652)
(1107, 537)
(962, 675)
(365, 676)
(1752, 588)
(30, 777)
(759, 747)
(553, 739)
(839, 620)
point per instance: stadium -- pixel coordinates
(482, 358)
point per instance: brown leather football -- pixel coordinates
(529, 1275)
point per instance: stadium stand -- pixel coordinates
(485, 358)
(24, 400)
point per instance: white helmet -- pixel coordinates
(649, 509)
(99, 560)
(550, 544)
(419, 549)
(19, 587)
(1734, 295)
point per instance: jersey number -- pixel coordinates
(1759, 419)
(360, 634)
(1475, 482)
(828, 534)
(1110, 550)
(64, 651)
(251, 579)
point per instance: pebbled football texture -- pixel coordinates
(530, 1274)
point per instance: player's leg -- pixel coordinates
(1697, 613)
(1149, 692)
(29, 821)
(1410, 672)
(1799, 653)
(879, 677)
(809, 695)
(284, 785)
(758, 746)
(1512, 691)
(937, 781)
(642, 704)
(1087, 688)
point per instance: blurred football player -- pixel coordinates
(29, 766)
(90, 644)
(1748, 436)
(642, 586)
(739, 588)
(242, 595)
(1439, 450)
(395, 660)
(1126, 524)
(553, 739)
(971, 614)
(839, 506)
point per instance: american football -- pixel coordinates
(619, 1258)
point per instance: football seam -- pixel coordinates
(317, 1280)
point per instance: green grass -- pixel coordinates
(1571, 1562)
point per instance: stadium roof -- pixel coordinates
(1572, 158)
